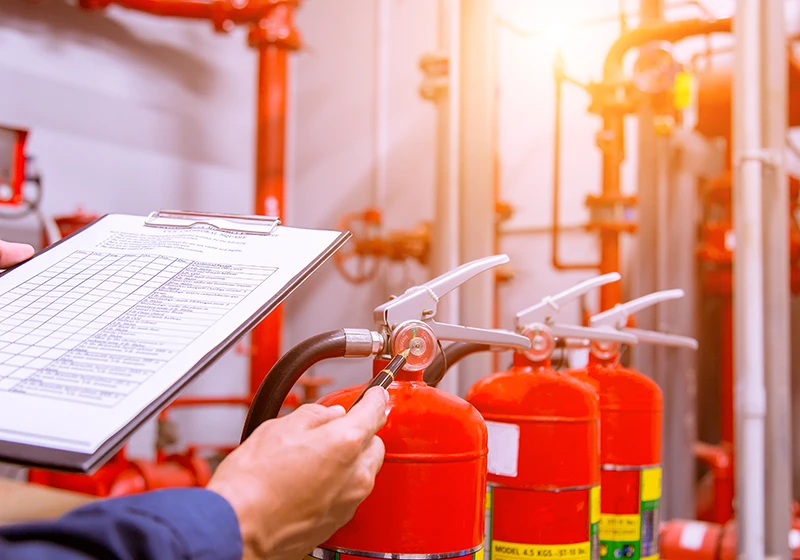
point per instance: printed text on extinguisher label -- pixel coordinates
(514, 551)
(634, 536)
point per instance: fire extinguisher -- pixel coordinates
(428, 498)
(543, 493)
(631, 409)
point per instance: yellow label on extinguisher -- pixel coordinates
(594, 499)
(620, 527)
(515, 551)
(651, 484)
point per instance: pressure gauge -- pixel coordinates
(655, 69)
(543, 342)
(419, 338)
(604, 349)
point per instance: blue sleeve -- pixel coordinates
(181, 523)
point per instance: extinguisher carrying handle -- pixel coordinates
(550, 306)
(663, 339)
(276, 386)
(617, 316)
(604, 334)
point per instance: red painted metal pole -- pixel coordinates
(273, 36)
(223, 14)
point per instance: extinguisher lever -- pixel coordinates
(618, 315)
(604, 334)
(497, 339)
(419, 302)
(550, 306)
(663, 339)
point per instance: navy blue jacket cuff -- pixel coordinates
(180, 523)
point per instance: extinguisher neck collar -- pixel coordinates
(409, 376)
(523, 361)
(607, 360)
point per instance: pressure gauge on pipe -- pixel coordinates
(655, 69)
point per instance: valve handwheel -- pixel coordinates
(354, 261)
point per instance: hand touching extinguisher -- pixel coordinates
(544, 464)
(428, 498)
(631, 409)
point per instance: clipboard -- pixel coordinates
(253, 258)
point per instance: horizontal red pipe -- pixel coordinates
(663, 31)
(218, 11)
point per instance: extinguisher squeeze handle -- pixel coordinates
(550, 306)
(618, 315)
(418, 303)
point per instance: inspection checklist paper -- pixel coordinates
(101, 330)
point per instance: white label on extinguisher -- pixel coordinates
(692, 536)
(503, 448)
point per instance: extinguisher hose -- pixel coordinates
(449, 357)
(273, 391)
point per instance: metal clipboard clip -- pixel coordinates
(258, 225)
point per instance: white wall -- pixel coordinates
(130, 113)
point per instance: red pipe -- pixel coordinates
(274, 36)
(612, 137)
(662, 31)
(720, 461)
(222, 13)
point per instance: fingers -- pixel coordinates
(373, 456)
(364, 419)
(14, 253)
(310, 416)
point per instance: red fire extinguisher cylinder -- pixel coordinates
(429, 494)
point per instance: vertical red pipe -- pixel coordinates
(613, 131)
(273, 36)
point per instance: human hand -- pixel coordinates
(299, 478)
(14, 253)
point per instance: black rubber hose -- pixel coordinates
(273, 391)
(449, 357)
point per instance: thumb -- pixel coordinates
(14, 253)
